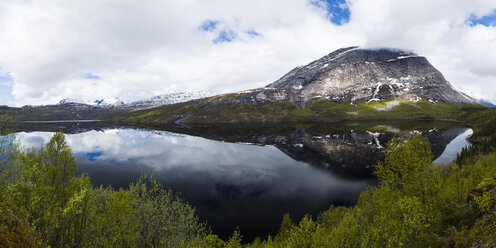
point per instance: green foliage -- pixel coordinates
(235, 240)
(47, 205)
(301, 236)
(47, 184)
(483, 233)
(165, 219)
(9, 153)
(15, 231)
(214, 241)
(118, 221)
(408, 166)
(483, 138)
(7, 125)
(483, 202)
(416, 204)
(287, 226)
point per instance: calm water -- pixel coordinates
(241, 176)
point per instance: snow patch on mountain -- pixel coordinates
(108, 101)
(72, 100)
(170, 99)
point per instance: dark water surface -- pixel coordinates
(245, 176)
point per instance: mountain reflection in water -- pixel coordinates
(243, 175)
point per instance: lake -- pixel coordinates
(246, 176)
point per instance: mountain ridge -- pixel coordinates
(348, 84)
(157, 100)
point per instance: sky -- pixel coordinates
(92, 49)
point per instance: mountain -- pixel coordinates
(356, 74)
(159, 100)
(348, 84)
(486, 103)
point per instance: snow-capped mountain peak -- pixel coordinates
(159, 100)
(99, 102)
(170, 98)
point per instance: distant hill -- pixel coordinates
(77, 109)
(487, 103)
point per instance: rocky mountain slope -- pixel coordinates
(355, 74)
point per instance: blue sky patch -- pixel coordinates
(6, 95)
(208, 25)
(225, 36)
(6, 89)
(6, 77)
(488, 20)
(90, 75)
(338, 11)
(253, 33)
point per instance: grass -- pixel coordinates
(211, 111)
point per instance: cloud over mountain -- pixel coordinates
(54, 49)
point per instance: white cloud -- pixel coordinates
(144, 48)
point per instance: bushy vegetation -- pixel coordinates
(43, 204)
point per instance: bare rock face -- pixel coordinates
(354, 74)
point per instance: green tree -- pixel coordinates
(302, 235)
(77, 214)
(117, 221)
(407, 166)
(214, 241)
(165, 219)
(7, 124)
(235, 240)
(48, 193)
(286, 228)
(9, 153)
